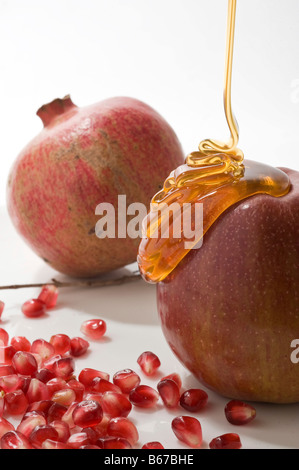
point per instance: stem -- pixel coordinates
(87, 283)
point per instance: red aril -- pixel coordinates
(115, 404)
(44, 375)
(62, 429)
(56, 412)
(49, 363)
(124, 428)
(61, 343)
(37, 391)
(101, 427)
(50, 444)
(24, 363)
(238, 412)
(20, 343)
(5, 426)
(6, 369)
(41, 433)
(78, 389)
(79, 346)
(144, 396)
(226, 441)
(64, 397)
(169, 392)
(87, 375)
(68, 415)
(10, 383)
(193, 399)
(90, 446)
(94, 329)
(6, 354)
(4, 337)
(57, 383)
(41, 407)
(175, 377)
(87, 413)
(15, 440)
(102, 386)
(113, 443)
(78, 439)
(49, 295)
(16, 402)
(64, 367)
(34, 308)
(2, 403)
(188, 430)
(27, 425)
(43, 348)
(152, 445)
(126, 380)
(148, 362)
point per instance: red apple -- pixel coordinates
(230, 309)
(84, 157)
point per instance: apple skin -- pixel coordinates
(230, 309)
(85, 156)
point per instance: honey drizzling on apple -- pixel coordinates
(217, 175)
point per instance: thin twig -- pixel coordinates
(79, 283)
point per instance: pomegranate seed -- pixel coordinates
(34, 308)
(175, 377)
(49, 295)
(87, 413)
(115, 404)
(2, 305)
(41, 407)
(68, 415)
(44, 375)
(87, 375)
(2, 403)
(5, 426)
(97, 396)
(37, 391)
(101, 427)
(152, 445)
(56, 412)
(239, 412)
(169, 392)
(78, 389)
(102, 386)
(193, 399)
(38, 359)
(123, 427)
(78, 439)
(41, 433)
(20, 343)
(24, 363)
(49, 363)
(15, 440)
(62, 429)
(149, 363)
(27, 425)
(113, 443)
(16, 402)
(126, 380)
(90, 446)
(61, 343)
(79, 346)
(188, 430)
(10, 383)
(64, 397)
(64, 367)
(6, 369)
(92, 434)
(4, 337)
(94, 329)
(226, 441)
(57, 383)
(6, 354)
(144, 396)
(50, 444)
(43, 348)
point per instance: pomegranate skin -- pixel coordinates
(230, 309)
(81, 158)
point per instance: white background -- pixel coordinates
(168, 53)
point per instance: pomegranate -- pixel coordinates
(83, 157)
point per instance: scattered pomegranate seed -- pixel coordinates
(94, 329)
(62, 429)
(126, 380)
(226, 441)
(15, 440)
(175, 377)
(238, 412)
(144, 396)
(123, 427)
(41, 407)
(113, 443)
(64, 397)
(37, 391)
(61, 343)
(115, 404)
(20, 343)
(87, 413)
(6, 354)
(43, 348)
(34, 308)
(50, 363)
(10, 383)
(4, 337)
(27, 425)
(188, 430)
(169, 392)
(50, 444)
(24, 363)
(56, 412)
(78, 439)
(49, 295)
(101, 427)
(149, 363)
(15, 402)
(64, 367)
(5, 426)
(2, 305)
(152, 445)
(68, 415)
(102, 386)
(6, 369)
(78, 389)
(41, 433)
(2, 403)
(57, 383)
(44, 375)
(87, 375)
(79, 346)
(193, 399)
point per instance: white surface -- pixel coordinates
(132, 327)
(168, 53)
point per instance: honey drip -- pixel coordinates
(216, 175)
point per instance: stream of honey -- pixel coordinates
(217, 176)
